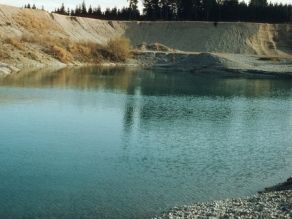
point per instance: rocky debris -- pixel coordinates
(154, 47)
(226, 64)
(187, 61)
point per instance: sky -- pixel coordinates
(52, 4)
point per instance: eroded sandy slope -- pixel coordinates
(268, 40)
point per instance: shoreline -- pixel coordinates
(241, 65)
(7, 69)
(204, 63)
(273, 202)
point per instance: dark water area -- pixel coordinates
(130, 143)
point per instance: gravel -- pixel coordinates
(271, 203)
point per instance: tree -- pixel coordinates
(152, 9)
(97, 13)
(61, 10)
(168, 9)
(229, 10)
(133, 9)
(133, 5)
(77, 11)
(83, 9)
(147, 10)
(258, 3)
(90, 11)
(208, 10)
(186, 9)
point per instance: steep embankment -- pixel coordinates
(243, 38)
(25, 33)
(36, 37)
(16, 22)
(240, 47)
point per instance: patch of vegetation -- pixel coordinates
(118, 49)
(27, 20)
(16, 42)
(189, 10)
(3, 53)
(61, 54)
(67, 51)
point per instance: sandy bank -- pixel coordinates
(226, 37)
(6, 69)
(203, 63)
(236, 46)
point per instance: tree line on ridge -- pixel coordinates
(186, 10)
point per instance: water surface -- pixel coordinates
(126, 143)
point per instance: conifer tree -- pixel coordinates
(133, 9)
(208, 10)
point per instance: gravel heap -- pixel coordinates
(267, 204)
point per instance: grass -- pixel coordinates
(118, 49)
(66, 51)
(26, 19)
(3, 54)
(16, 42)
(61, 54)
(43, 37)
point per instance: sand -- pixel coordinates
(237, 46)
(6, 69)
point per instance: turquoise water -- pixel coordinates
(126, 143)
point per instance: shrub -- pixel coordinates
(3, 52)
(67, 51)
(118, 49)
(26, 19)
(61, 54)
(16, 42)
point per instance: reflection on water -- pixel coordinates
(129, 143)
(160, 82)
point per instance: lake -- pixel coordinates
(131, 143)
